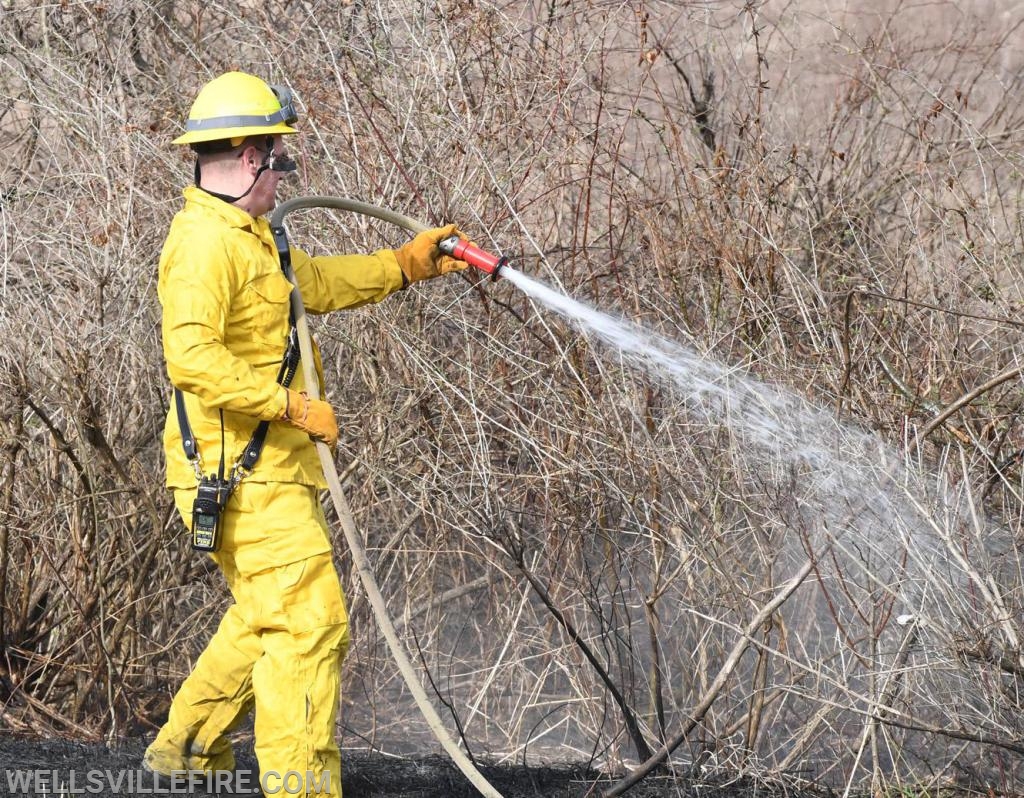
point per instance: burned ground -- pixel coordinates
(370, 775)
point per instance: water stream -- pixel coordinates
(848, 477)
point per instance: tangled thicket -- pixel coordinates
(572, 546)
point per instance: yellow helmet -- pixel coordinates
(236, 105)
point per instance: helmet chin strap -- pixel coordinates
(271, 161)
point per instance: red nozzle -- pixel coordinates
(474, 256)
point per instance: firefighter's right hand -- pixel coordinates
(422, 258)
(312, 416)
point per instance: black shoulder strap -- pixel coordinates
(251, 453)
(188, 440)
(289, 364)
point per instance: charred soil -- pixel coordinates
(109, 770)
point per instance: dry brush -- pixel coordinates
(580, 551)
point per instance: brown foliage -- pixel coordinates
(727, 175)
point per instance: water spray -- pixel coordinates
(856, 490)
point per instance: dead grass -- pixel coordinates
(827, 200)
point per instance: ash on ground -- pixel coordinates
(55, 767)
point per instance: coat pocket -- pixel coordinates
(265, 304)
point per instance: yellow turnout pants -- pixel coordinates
(278, 648)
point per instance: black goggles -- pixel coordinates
(284, 95)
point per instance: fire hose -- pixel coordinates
(462, 250)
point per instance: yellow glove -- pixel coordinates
(421, 259)
(312, 416)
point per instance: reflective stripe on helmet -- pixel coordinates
(233, 121)
(286, 115)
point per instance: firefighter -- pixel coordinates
(226, 325)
